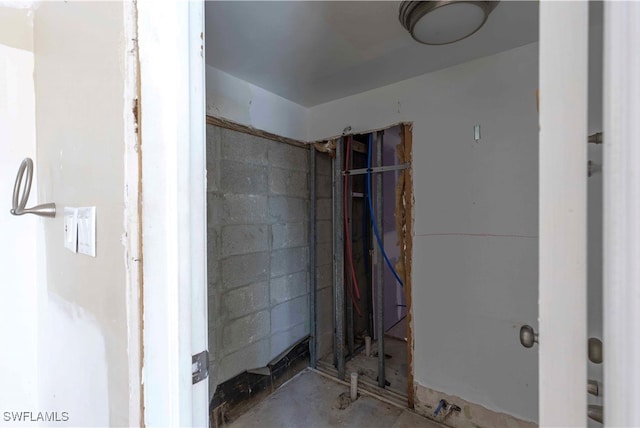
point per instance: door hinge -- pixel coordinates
(199, 366)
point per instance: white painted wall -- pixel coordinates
(79, 87)
(242, 102)
(476, 222)
(18, 254)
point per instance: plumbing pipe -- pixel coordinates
(441, 404)
(313, 347)
(367, 346)
(354, 386)
(347, 241)
(373, 217)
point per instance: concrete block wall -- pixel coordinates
(324, 254)
(258, 213)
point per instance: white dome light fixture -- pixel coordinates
(444, 22)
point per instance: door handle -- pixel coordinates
(596, 413)
(595, 350)
(528, 336)
(20, 203)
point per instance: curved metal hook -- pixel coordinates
(20, 203)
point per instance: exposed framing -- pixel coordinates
(338, 262)
(404, 218)
(404, 215)
(313, 241)
(234, 126)
(379, 265)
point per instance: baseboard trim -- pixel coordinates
(471, 415)
(237, 395)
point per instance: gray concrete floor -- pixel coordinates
(312, 400)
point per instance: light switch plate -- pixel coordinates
(71, 229)
(87, 230)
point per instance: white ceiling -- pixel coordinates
(314, 52)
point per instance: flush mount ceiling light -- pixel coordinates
(444, 22)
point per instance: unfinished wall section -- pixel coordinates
(257, 200)
(324, 254)
(474, 275)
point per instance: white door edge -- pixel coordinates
(173, 210)
(563, 213)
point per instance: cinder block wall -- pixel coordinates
(258, 203)
(324, 254)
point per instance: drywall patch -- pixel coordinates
(472, 415)
(72, 364)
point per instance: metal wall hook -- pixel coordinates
(20, 203)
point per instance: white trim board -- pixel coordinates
(621, 293)
(563, 213)
(172, 114)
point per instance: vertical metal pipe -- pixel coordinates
(333, 255)
(313, 345)
(379, 261)
(338, 255)
(349, 213)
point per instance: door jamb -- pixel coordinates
(171, 112)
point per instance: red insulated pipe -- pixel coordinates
(347, 240)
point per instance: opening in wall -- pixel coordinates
(364, 290)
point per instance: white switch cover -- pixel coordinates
(70, 229)
(87, 230)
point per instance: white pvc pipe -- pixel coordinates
(354, 386)
(621, 173)
(367, 346)
(563, 208)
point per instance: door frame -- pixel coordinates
(563, 110)
(171, 112)
(563, 213)
(171, 182)
(621, 213)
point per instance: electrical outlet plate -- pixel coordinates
(87, 230)
(71, 229)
